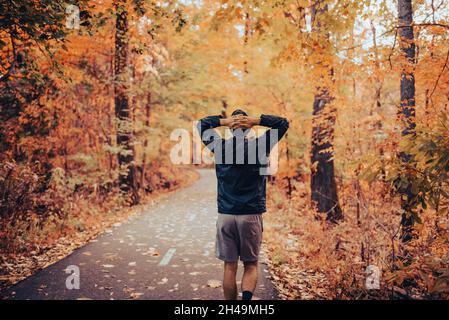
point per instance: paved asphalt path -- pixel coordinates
(167, 252)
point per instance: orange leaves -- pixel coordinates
(436, 30)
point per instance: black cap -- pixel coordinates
(239, 111)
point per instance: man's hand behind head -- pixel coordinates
(240, 121)
(244, 122)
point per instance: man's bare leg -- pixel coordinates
(249, 279)
(229, 280)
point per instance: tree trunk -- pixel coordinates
(127, 178)
(145, 143)
(245, 41)
(407, 105)
(289, 178)
(377, 98)
(323, 184)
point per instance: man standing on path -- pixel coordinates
(241, 167)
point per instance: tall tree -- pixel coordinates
(245, 40)
(323, 184)
(127, 174)
(407, 104)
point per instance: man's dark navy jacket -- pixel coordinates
(240, 164)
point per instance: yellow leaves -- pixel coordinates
(238, 12)
(214, 283)
(372, 118)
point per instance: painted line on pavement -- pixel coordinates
(167, 257)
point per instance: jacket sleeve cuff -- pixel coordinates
(265, 120)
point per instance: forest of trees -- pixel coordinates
(91, 90)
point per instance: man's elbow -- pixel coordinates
(285, 123)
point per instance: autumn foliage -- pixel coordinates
(353, 190)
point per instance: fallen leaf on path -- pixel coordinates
(110, 256)
(214, 283)
(128, 290)
(136, 295)
(151, 251)
(194, 286)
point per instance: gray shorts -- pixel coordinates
(238, 236)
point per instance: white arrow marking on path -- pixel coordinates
(167, 257)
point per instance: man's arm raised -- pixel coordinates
(206, 128)
(278, 128)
